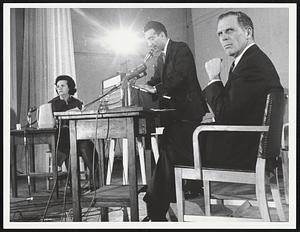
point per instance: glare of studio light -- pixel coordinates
(123, 41)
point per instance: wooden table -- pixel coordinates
(123, 122)
(29, 137)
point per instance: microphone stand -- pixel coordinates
(101, 96)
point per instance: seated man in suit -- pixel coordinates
(242, 100)
(175, 84)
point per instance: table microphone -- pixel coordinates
(29, 114)
(140, 71)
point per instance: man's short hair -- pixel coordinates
(156, 26)
(243, 19)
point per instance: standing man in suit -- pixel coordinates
(176, 85)
(242, 100)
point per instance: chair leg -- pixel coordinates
(285, 170)
(125, 214)
(179, 195)
(104, 214)
(142, 159)
(111, 156)
(276, 196)
(170, 214)
(260, 190)
(125, 161)
(49, 164)
(154, 145)
(206, 185)
(82, 168)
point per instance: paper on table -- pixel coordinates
(139, 88)
(74, 110)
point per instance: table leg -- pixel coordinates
(54, 163)
(101, 161)
(149, 158)
(13, 167)
(32, 166)
(27, 164)
(101, 168)
(132, 128)
(74, 173)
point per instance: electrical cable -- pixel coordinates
(55, 183)
(93, 168)
(65, 190)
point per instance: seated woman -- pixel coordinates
(65, 88)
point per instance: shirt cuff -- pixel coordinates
(212, 81)
(155, 89)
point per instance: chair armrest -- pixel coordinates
(232, 128)
(202, 128)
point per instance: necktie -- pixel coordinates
(231, 68)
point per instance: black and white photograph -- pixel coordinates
(149, 115)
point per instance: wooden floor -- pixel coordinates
(43, 208)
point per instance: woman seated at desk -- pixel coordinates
(65, 88)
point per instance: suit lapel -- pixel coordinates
(169, 49)
(243, 61)
(165, 64)
(161, 65)
(231, 67)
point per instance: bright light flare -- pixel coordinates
(123, 41)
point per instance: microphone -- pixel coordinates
(149, 55)
(140, 71)
(30, 111)
(137, 73)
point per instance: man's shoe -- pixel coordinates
(146, 219)
(142, 189)
(85, 191)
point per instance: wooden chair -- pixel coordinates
(29, 138)
(84, 172)
(111, 156)
(284, 153)
(270, 138)
(154, 147)
(154, 142)
(207, 118)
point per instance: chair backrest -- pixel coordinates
(285, 136)
(270, 142)
(285, 127)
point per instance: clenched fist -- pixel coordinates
(213, 68)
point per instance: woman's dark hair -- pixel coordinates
(70, 82)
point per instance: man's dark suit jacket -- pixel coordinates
(240, 102)
(177, 78)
